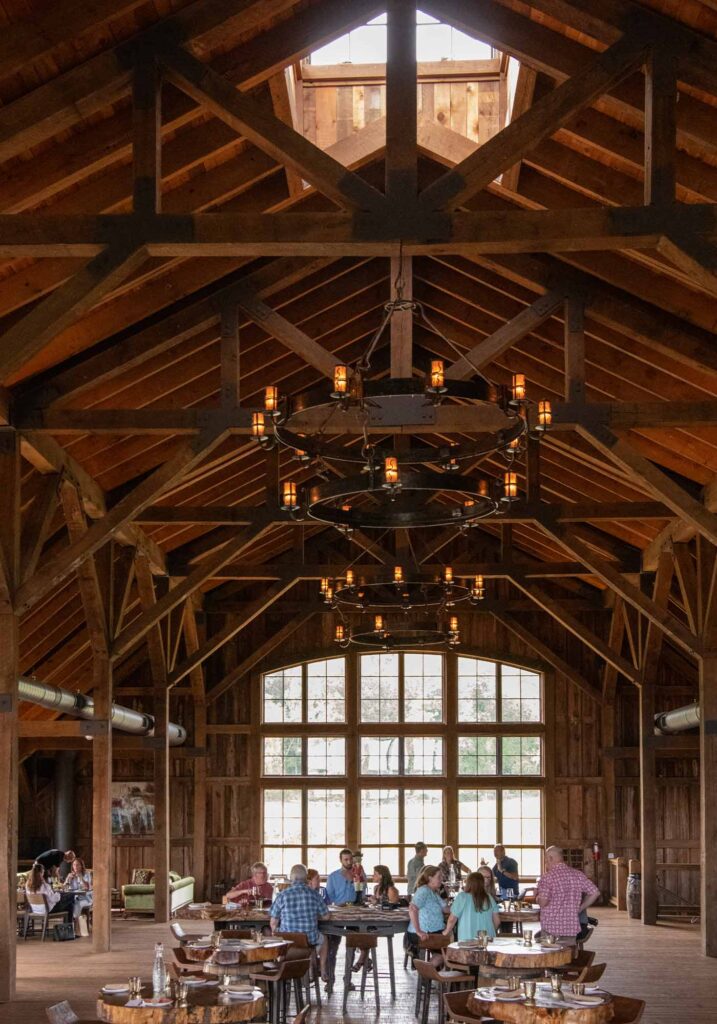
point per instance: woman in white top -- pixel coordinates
(37, 885)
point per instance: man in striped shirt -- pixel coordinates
(563, 892)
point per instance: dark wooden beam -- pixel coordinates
(660, 124)
(401, 106)
(147, 137)
(574, 349)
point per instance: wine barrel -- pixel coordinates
(634, 896)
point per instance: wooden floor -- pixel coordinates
(662, 965)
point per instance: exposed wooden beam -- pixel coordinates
(329, 234)
(147, 136)
(57, 568)
(401, 269)
(548, 655)
(401, 106)
(268, 133)
(492, 347)
(659, 617)
(203, 572)
(196, 677)
(280, 328)
(686, 573)
(32, 332)
(647, 475)
(231, 629)
(696, 258)
(549, 604)
(522, 101)
(257, 655)
(37, 524)
(574, 349)
(544, 118)
(660, 124)
(230, 357)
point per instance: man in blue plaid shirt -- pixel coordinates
(299, 909)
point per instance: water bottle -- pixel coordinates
(159, 971)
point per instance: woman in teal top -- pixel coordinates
(474, 910)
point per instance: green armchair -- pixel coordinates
(138, 896)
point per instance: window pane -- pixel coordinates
(477, 691)
(477, 755)
(282, 695)
(423, 755)
(326, 690)
(422, 813)
(388, 855)
(520, 695)
(477, 817)
(280, 859)
(282, 755)
(379, 818)
(325, 817)
(282, 816)
(323, 859)
(521, 817)
(529, 861)
(521, 755)
(423, 687)
(379, 687)
(326, 755)
(380, 755)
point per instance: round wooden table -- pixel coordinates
(520, 917)
(547, 1008)
(509, 954)
(207, 1005)
(235, 959)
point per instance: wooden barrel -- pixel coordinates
(634, 896)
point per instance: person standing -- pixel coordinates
(426, 911)
(415, 867)
(505, 872)
(563, 893)
(56, 863)
(340, 883)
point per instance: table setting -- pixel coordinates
(511, 952)
(189, 1000)
(532, 1002)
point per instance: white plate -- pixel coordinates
(195, 982)
(502, 994)
(199, 906)
(109, 989)
(157, 1002)
(246, 997)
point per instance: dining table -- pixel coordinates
(519, 917)
(546, 1007)
(206, 1004)
(235, 957)
(508, 954)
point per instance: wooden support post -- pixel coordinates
(708, 803)
(402, 319)
(147, 138)
(574, 349)
(9, 671)
(401, 105)
(158, 669)
(102, 805)
(196, 677)
(660, 126)
(532, 469)
(230, 361)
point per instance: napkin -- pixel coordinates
(587, 999)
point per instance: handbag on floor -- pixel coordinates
(63, 932)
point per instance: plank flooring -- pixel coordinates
(661, 965)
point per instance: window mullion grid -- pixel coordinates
(304, 692)
(401, 689)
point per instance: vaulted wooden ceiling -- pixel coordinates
(141, 328)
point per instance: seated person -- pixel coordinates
(56, 863)
(384, 891)
(340, 886)
(259, 881)
(474, 910)
(79, 882)
(57, 903)
(506, 875)
(314, 880)
(299, 909)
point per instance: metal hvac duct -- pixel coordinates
(687, 717)
(125, 719)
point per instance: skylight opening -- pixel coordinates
(435, 41)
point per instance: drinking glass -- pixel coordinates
(513, 982)
(578, 988)
(527, 937)
(556, 983)
(183, 993)
(528, 988)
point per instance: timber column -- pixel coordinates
(708, 803)
(9, 671)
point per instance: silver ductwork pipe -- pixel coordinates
(125, 719)
(687, 717)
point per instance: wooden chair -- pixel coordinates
(583, 958)
(37, 909)
(184, 937)
(587, 974)
(279, 983)
(302, 1015)
(62, 1013)
(184, 965)
(627, 1010)
(299, 950)
(367, 943)
(428, 946)
(428, 976)
(456, 1007)
(236, 933)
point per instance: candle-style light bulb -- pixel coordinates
(519, 387)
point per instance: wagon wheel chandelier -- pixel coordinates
(384, 637)
(395, 490)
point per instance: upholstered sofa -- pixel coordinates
(138, 896)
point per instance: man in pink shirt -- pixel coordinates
(563, 892)
(258, 883)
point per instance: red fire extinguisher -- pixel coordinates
(596, 851)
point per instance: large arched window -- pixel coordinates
(384, 749)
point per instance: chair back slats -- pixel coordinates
(593, 973)
(627, 1010)
(435, 942)
(302, 1015)
(456, 1005)
(61, 1013)
(299, 939)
